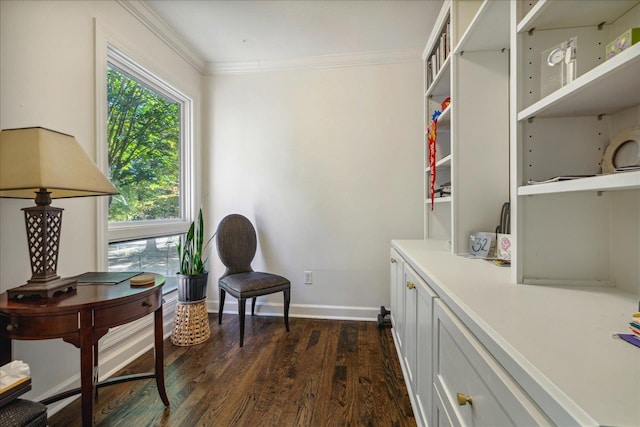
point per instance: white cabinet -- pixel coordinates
(476, 390)
(472, 144)
(584, 231)
(410, 310)
(525, 354)
(397, 299)
(440, 357)
(441, 416)
(424, 350)
(412, 332)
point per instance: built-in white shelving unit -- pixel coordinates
(472, 132)
(583, 231)
(469, 333)
(555, 14)
(596, 92)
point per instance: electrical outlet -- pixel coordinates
(308, 277)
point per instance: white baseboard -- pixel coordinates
(312, 311)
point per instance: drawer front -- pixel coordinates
(464, 366)
(397, 301)
(39, 327)
(107, 317)
(441, 416)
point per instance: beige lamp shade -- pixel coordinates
(35, 158)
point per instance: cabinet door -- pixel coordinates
(473, 385)
(411, 323)
(397, 298)
(424, 350)
(441, 416)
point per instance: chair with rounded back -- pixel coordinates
(236, 241)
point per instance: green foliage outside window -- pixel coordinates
(143, 132)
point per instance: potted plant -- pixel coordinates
(192, 274)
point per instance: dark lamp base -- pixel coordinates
(44, 289)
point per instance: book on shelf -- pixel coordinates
(434, 67)
(448, 39)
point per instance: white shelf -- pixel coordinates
(550, 14)
(444, 162)
(613, 182)
(609, 88)
(441, 84)
(444, 119)
(483, 34)
(446, 199)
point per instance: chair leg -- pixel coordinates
(253, 305)
(242, 308)
(221, 306)
(287, 300)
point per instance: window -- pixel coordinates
(149, 146)
(143, 133)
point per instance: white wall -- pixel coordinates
(326, 163)
(47, 79)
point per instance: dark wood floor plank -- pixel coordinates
(321, 373)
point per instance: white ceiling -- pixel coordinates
(224, 32)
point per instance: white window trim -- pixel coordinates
(109, 48)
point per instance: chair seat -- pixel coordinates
(253, 284)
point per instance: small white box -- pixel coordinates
(503, 247)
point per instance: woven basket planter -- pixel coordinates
(190, 323)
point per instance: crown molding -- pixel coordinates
(316, 62)
(141, 11)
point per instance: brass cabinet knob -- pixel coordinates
(11, 327)
(393, 261)
(411, 285)
(463, 399)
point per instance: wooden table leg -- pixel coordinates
(159, 343)
(87, 385)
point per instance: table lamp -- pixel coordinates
(44, 164)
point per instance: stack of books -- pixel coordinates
(15, 379)
(634, 325)
(439, 55)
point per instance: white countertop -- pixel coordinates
(556, 341)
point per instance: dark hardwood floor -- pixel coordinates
(322, 373)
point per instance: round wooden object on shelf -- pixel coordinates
(190, 323)
(627, 136)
